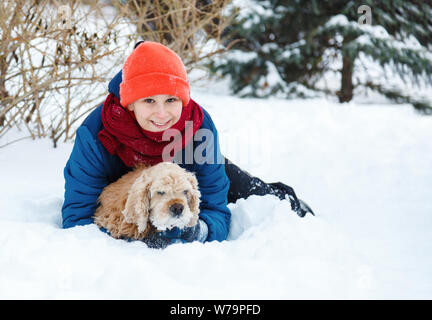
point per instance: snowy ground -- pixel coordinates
(365, 170)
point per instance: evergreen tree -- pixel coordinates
(290, 44)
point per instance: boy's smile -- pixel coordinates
(157, 113)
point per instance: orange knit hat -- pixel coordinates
(153, 69)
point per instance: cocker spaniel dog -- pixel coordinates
(149, 200)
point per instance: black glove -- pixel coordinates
(160, 240)
(198, 232)
(156, 240)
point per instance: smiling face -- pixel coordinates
(157, 113)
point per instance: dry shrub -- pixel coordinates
(192, 28)
(50, 65)
(57, 57)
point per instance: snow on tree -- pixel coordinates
(289, 47)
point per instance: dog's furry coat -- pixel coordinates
(140, 202)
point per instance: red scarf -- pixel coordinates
(123, 136)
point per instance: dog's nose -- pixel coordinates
(176, 209)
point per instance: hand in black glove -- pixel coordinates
(198, 232)
(156, 240)
(160, 240)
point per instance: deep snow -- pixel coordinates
(366, 171)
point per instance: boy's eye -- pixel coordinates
(171, 99)
(147, 100)
(161, 193)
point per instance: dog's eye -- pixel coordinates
(161, 193)
(186, 191)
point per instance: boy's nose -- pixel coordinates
(161, 111)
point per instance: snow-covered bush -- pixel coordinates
(333, 47)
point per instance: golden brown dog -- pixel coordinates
(148, 200)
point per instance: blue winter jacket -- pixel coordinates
(90, 168)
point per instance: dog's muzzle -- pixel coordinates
(176, 209)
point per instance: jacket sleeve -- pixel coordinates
(213, 184)
(213, 208)
(85, 179)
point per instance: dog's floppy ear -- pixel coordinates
(137, 205)
(194, 200)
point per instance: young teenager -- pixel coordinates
(149, 117)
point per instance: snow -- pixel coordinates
(365, 171)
